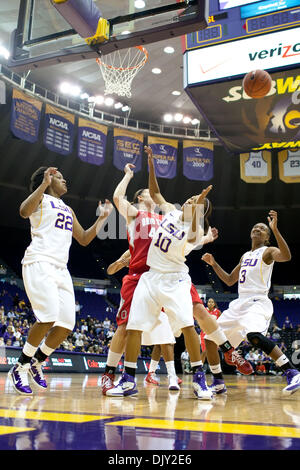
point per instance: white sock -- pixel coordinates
(153, 365)
(131, 365)
(197, 363)
(282, 360)
(171, 368)
(218, 336)
(216, 369)
(46, 350)
(29, 350)
(113, 358)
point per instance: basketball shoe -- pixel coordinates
(233, 358)
(293, 381)
(151, 378)
(218, 386)
(18, 375)
(107, 382)
(201, 389)
(125, 387)
(36, 373)
(173, 382)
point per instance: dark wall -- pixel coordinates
(237, 205)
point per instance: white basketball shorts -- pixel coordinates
(245, 315)
(160, 334)
(156, 290)
(51, 293)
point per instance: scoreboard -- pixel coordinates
(228, 25)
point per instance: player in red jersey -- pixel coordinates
(213, 310)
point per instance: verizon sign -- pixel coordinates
(267, 52)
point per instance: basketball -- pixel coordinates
(257, 83)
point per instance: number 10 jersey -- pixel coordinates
(51, 233)
(169, 245)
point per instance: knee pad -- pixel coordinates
(262, 342)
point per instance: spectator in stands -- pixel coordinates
(9, 335)
(84, 327)
(110, 333)
(185, 362)
(287, 325)
(11, 314)
(1, 341)
(8, 343)
(79, 342)
(252, 357)
(78, 307)
(260, 368)
(76, 334)
(106, 325)
(2, 312)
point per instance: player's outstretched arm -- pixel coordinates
(153, 185)
(84, 237)
(124, 207)
(228, 279)
(30, 205)
(282, 252)
(122, 262)
(195, 233)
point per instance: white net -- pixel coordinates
(119, 69)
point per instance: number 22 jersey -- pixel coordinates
(51, 233)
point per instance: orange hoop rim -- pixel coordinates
(141, 64)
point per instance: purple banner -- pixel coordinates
(198, 160)
(165, 156)
(59, 130)
(91, 142)
(128, 148)
(25, 116)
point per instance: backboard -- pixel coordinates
(43, 37)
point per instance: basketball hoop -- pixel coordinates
(120, 67)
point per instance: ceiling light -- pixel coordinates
(84, 96)
(139, 4)
(109, 101)
(168, 117)
(74, 90)
(169, 50)
(125, 108)
(4, 52)
(195, 121)
(178, 117)
(118, 105)
(64, 87)
(92, 99)
(176, 93)
(99, 99)
(126, 32)
(156, 70)
(186, 119)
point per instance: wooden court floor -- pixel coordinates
(73, 415)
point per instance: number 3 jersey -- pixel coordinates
(255, 274)
(51, 233)
(169, 245)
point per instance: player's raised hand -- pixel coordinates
(149, 153)
(105, 209)
(128, 169)
(272, 219)
(203, 195)
(48, 175)
(212, 234)
(208, 258)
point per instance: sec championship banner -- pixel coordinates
(289, 165)
(25, 116)
(59, 130)
(165, 156)
(128, 148)
(198, 160)
(256, 167)
(91, 141)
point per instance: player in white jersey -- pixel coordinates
(167, 284)
(248, 317)
(47, 281)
